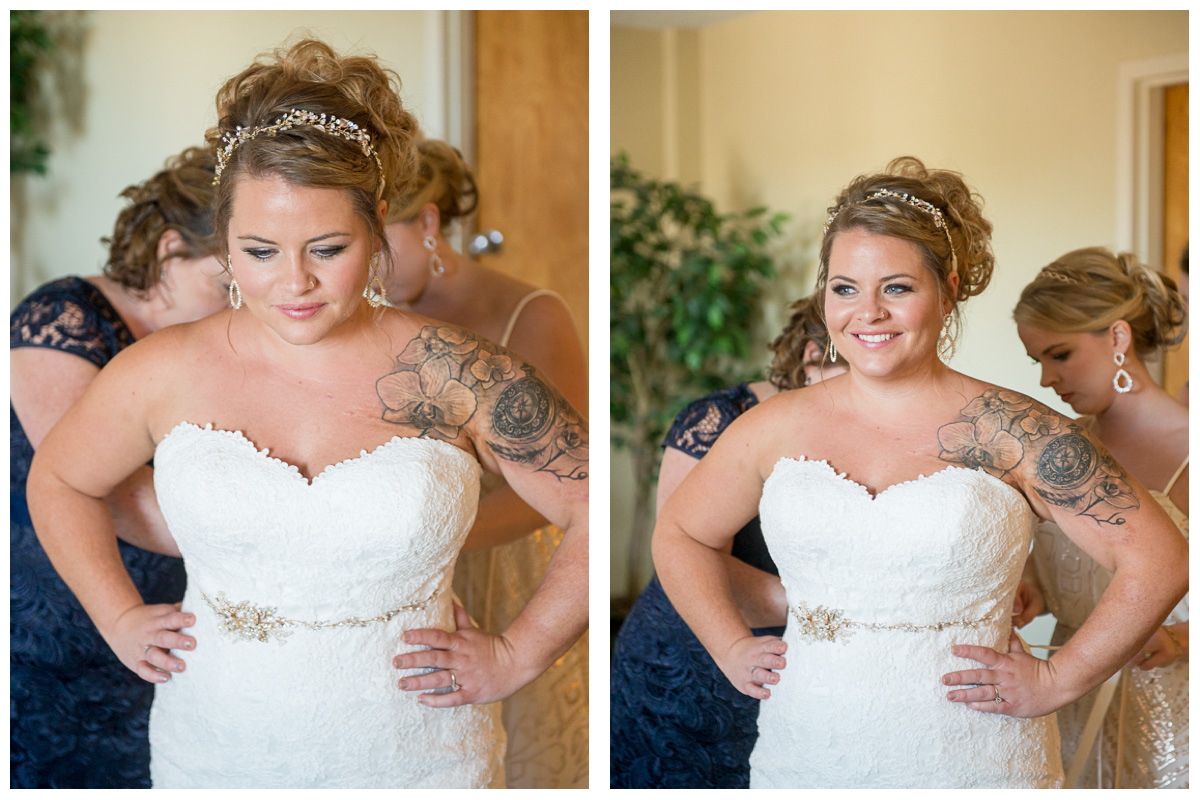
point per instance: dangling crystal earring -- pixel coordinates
(435, 262)
(235, 291)
(832, 352)
(1122, 375)
(376, 293)
(946, 344)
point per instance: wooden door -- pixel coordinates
(1175, 213)
(531, 106)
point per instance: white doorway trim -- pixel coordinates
(1140, 87)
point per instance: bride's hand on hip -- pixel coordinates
(143, 637)
(1015, 683)
(473, 666)
(751, 664)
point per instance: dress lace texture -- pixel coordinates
(869, 710)
(77, 716)
(318, 708)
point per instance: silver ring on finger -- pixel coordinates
(752, 672)
(146, 649)
(998, 698)
(454, 687)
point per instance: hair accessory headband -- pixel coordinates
(335, 126)
(929, 208)
(1058, 276)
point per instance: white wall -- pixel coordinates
(793, 104)
(140, 87)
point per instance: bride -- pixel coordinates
(317, 459)
(898, 501)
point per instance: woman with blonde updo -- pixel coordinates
(510, 544)
(897, 502)
(1091, 320)
(77, 716)
(674, 721)
(317, 458)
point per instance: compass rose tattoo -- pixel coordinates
(1000, 429)
(447, 377)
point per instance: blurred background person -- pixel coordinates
(1091, 320)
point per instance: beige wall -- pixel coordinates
(794, 104)
(137, 87)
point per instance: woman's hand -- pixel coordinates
(1028, 604)
(1165, 646)
(143, 637)
(474, 665)
(1015, 683)
(751, 664)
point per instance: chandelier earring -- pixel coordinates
(1122, 381)
(946, 344)
(235, 291)
(435, 261)
(832, 352)
(376, 293)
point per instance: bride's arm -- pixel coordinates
(1069, 477)
(695, 526)
(94, 447)
(524, 429)
(758, 594)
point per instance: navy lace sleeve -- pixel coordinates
(699, 424)
(71, 315)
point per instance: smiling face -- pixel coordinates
(300, 255)
(1077, 366)
(882, 306)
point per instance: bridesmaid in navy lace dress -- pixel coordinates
(676, 722)
(77, 715)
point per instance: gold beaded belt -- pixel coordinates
(246, 622)
(822, 624)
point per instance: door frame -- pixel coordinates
(1140, 87)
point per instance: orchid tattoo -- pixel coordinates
(1000, 429)
(445, 376)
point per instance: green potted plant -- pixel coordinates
(28, 38)
(685, 288)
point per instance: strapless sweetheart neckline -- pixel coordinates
(842, 476)
(265, 452)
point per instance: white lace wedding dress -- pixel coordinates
(879, 590)
(301, 593)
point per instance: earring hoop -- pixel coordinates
(832, 352)
(375, 292)
(235, 291)
(947, 347)
(1122, 381)
(435, 262)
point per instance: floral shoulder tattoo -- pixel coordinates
(447, 376)
(1000, 429)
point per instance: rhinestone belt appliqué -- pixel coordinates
(246, 622)
(823, 624)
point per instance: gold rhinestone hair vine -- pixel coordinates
(334, 126)
(939, 221)
(1058, 276)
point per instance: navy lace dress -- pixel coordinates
(676, 722)
(77, 715)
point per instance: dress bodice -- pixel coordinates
(302, 591)
(244, 519)
(940, 548)
(880, 589)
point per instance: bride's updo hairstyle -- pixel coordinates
(443, 179)
(366, 141)
(806, 325)
(1088, 290)
(179, 198)
(933, 209)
